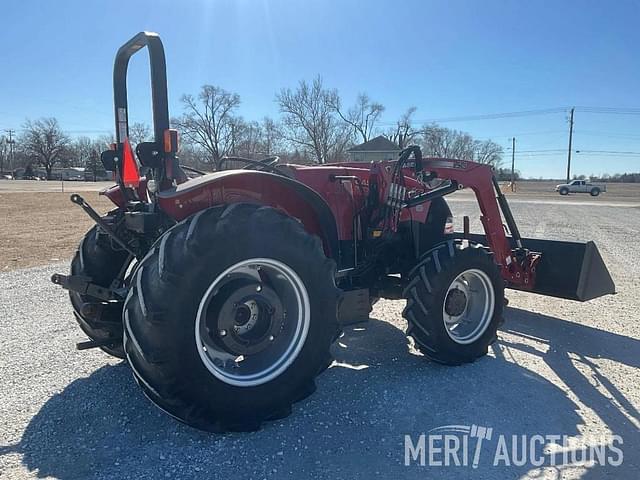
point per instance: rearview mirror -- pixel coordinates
(109, 159)
(149, 154)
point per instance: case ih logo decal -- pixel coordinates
(462, 165)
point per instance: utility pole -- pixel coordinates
(11, 142)
(513, 162)
(570, 140)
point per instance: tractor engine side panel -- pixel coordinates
(346, 197)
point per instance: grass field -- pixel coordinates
(40, 228)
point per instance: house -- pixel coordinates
(376, 149)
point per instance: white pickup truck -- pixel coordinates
(581, 186)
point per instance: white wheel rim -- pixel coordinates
(466, 323)
(284, 336)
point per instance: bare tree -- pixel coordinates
(194, 156)
(403, 133)
(257, 139)
(45, 142)
(489, 152)
(362, 117)
(444, 142)
(209, 121)
(249, 138)
(272, 136)
(81, 150)
(139, 132)
(104, 142)
(310, 120)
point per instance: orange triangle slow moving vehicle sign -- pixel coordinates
(130, 173)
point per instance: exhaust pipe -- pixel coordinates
(570, 270)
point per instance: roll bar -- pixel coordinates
(159, 97)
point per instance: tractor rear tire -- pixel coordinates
(454, 302)
(99, 320)
(203, 302)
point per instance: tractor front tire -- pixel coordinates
(97, 259)
(230, 317)
(454, 302)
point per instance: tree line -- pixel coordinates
(314, 126)
(615, 178)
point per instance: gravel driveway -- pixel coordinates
(560, 367)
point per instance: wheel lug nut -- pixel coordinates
(222, 333)
(258, 288)
(271, 338)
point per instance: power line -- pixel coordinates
(610, 110)
(96, 130)
(488, 116)
(609, 134)
(556, 150)
(526, 113)
(612, 152)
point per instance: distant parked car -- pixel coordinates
(581, 186)
(75, 177)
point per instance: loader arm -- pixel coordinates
(517, 265)
(568, 270)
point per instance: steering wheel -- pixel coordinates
(269, 162)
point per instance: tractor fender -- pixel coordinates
(116, 195)
(264, 188)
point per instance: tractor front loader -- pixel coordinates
(225, 291)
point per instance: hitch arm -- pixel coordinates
(78, 200)
(84, 286)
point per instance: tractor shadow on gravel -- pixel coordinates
(354, 426)
(569, 345)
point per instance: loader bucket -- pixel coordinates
(570, 270)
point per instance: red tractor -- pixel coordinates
(225, 292)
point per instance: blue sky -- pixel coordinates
(448, 58)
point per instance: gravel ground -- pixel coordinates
(560, 367)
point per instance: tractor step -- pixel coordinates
(95, 343)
